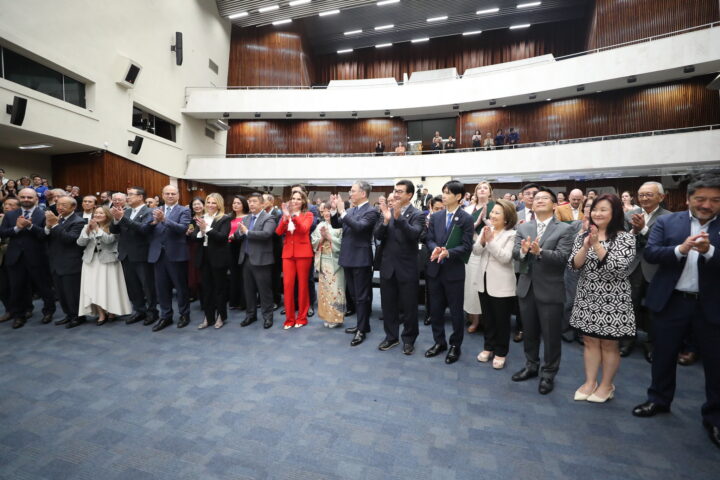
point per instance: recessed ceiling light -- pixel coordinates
(346, 50)
(295, 3)
(35, 146)
(548, 99)
(387, 2)
(420, 40)
(354, 32)
(487, 10)
(268, 9)
(437, 19)
(281, 22)
(329, 12)
(383, 45)
(472, 32)
(237, 15)
(384, 27)
(515, 27)
(529, 4)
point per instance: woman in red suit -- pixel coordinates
(297, 257)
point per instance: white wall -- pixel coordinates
(85, 39)
(18, 163)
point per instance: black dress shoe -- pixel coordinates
(568, 336)
(135, 317)
(388, 344)
(649, 409)
(351, 330)
(648, 352)
(427, 321)
(268, 323)
(311, 312)
(27, 315)
(184, 321)
(350, 313)
(546, 386)
(62, 321)
(408, 348)
(626, 348)
(436, 349)
(687, 359)
(47, 318)
(248, 321)
(713, 432)
(149, 320)
(518, 337)
(162, 323)
(453, 355)
(524, 374)
(75, 322)
(282, 312)
(18, 323)
(357, 339)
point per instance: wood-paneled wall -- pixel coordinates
(672, 105)
(619, 21)
(496, 46)
(269, 56)
(314, 136)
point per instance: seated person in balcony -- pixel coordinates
(437, 144)
(513, 137)
(476, 139)
(499, 138)
(489, 142)
(379, 148)
(450, 145)
(400, 149)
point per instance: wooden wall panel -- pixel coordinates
(269, 56)
(619, 21)
(673, 105)
(489, 48)
(314, 136)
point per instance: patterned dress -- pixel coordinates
(331, 282)
(603, 307)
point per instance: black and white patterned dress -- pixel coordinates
(603, 307)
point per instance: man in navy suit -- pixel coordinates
(684, 295)
(445, 270)
(168, 253)
(356, 255)
(400, 229)
(26, 258)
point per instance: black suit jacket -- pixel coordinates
(218, 248)
(65, 253)
(29, 243)
(453, 267)
(400, 240)
(134, 235)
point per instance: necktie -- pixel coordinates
(167, 211)
(540, 230)
(449, 222)
(62, 220)
(26, 214)
(532, 216)
(246, 245)
(252, 222)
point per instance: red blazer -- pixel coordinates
(297, 243)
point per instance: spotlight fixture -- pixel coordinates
(257, 115)
(387, 112)
(456, 107)
(533, 96)
(322, 114)
(493, 102)
(288, 115)
(580, 88)
(689, 69)
(226, 114)
(354, 114)
(632, 79)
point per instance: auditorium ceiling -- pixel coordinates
(406, 20)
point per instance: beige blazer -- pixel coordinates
(496, 260)
(564, 213)
(104, 244)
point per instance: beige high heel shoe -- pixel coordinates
(597, 399)
(581, 397)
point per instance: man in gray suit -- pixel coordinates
(542, 248)
(640, 221)
(256, 260)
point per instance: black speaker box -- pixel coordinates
(178, 48)
(136, 144)
(17, 110)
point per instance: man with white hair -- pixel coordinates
(573, 210)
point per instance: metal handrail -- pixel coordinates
(601, 138)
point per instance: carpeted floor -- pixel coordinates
(121, 402)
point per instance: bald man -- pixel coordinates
(573, 210)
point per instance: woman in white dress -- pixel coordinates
(102, 284)
(480, 212)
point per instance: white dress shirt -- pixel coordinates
(689, 280)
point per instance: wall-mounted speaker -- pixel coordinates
(17, 110)
(136, 144)
(128, 72)
(178, 48)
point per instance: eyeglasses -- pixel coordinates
(646, 195)
(542, 197)
(399, 192)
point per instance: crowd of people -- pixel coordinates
(478, 142)
(588, 268)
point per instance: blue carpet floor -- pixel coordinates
(121, 402)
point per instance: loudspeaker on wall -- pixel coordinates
(17, 110)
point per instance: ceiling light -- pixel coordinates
(35, 146)
(437, 19)
(295, 3)
(354, 32)
(420, 40)
(487, 10)
(346, 50)
(384, 27)
(383, 45)
(237, 15)
(387, 2)
(529, 4)
(548, 99)
(524, 25)
(329, 12)
(268, 9)
(281, 22)
(472, 32)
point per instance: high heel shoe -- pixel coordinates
(484, 356)
(288, 324)
(101, 321)
(498, 363)
(204, 324)
(219, 323)
(472, 329)
(597, 399)
(581, 397)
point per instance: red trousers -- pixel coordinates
(296, 270)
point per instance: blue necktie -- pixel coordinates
(26, 214)
(246, 246)
(449, 222)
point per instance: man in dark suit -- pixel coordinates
(8, 205)
(399, 229)
(65, 257)
(27, 259)
(542, 248)
(133, 227)
(168, 253)
(445, 270)
(640, 221)
(356, 255)
(684, 294)
(256, 260)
